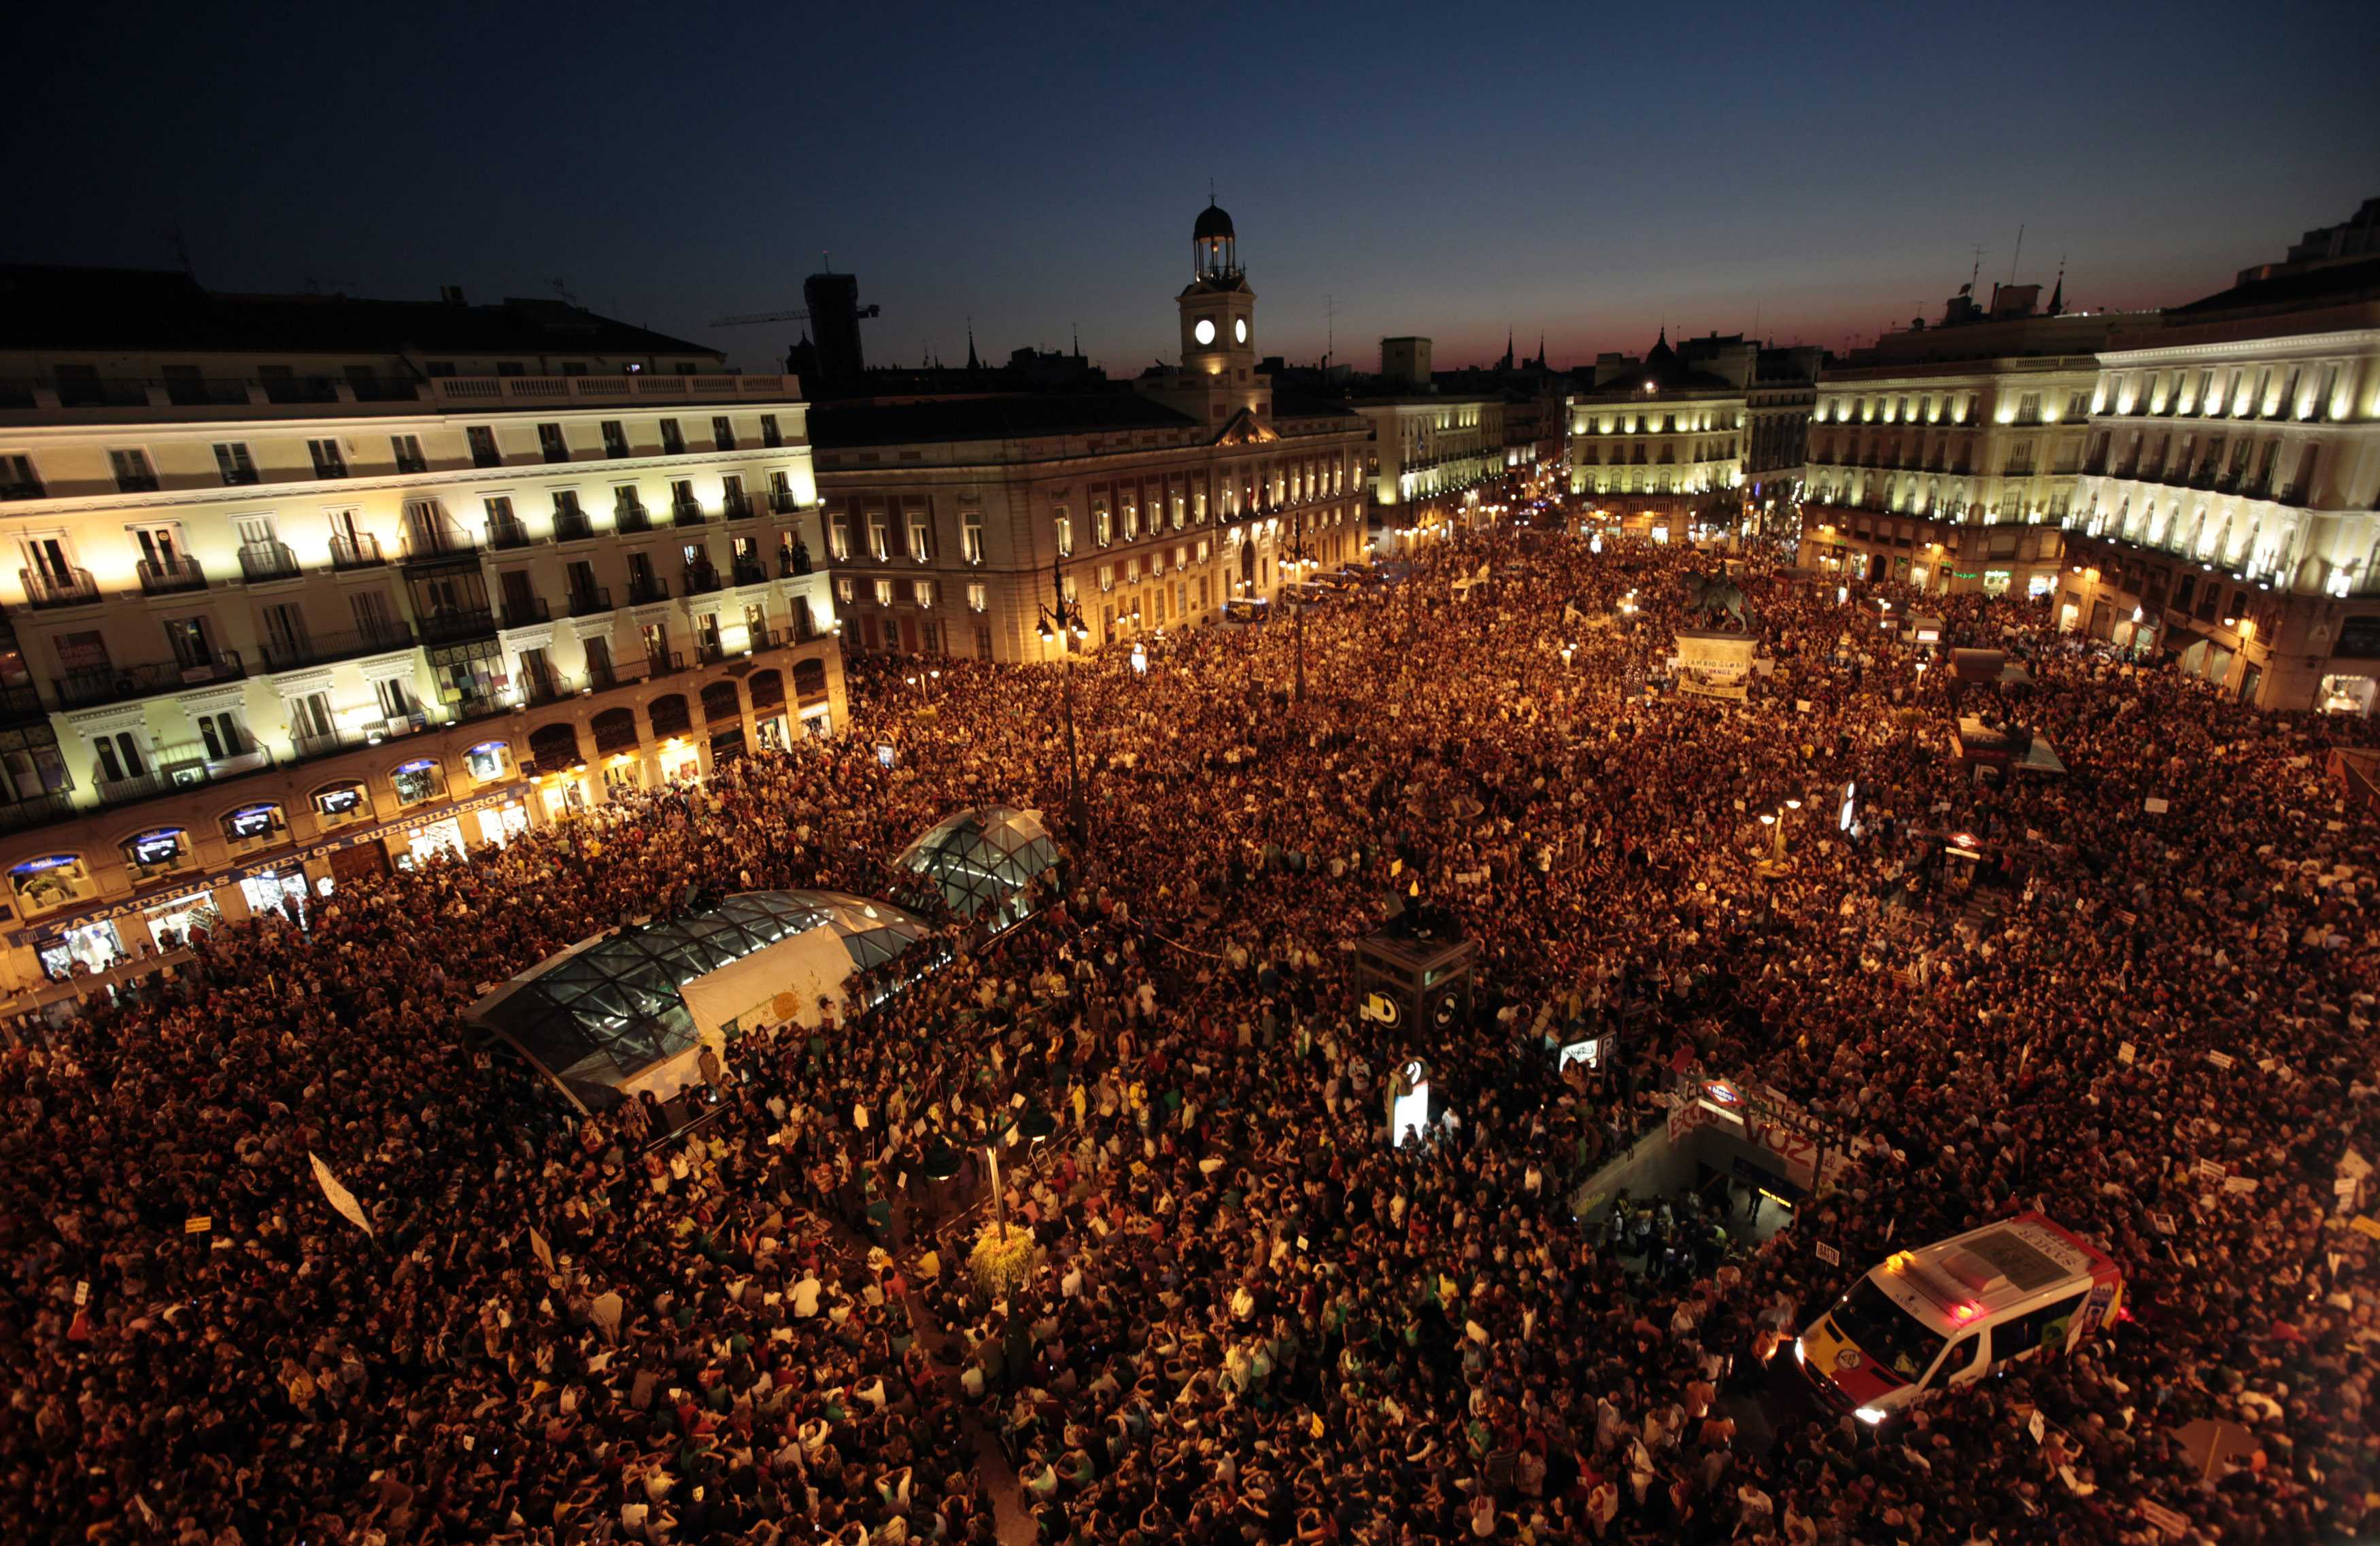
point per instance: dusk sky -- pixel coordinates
(1817, 171)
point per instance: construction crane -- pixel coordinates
(759, 317)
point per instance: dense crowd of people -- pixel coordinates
(1246, 1312)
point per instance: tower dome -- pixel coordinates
(1214, 247)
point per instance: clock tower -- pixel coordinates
(1219, 310)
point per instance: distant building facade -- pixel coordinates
(2224, 517)
(1161, 503)
(306, 585)
(1657, 444)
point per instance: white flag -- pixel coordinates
(341, 1198)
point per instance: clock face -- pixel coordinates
(1204, 329)
(1238, 329)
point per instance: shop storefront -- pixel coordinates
(2345, 695)
(82, 948)
(281, 891)
(501, 824)
(426, 841)
(168, 924)
(680, 761)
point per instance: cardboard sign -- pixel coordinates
(2240, 1183)
(2174, 1526)
(197, 1223)
(2125, 1053)
(2163, 1223)
(2213, 1170)
(2222, 1060)
(2155, 806)
(2366, 1225)
(82, 1294)
(2039, 1428)
(1828, 1255)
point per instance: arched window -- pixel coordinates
(669, 716)
(161, 851)
(252, 826)
(720, 703)
(420, 779)
(615, 730)
(342, 802)
(809, 680)
(554, 748)
(54, 881)
(768, 689)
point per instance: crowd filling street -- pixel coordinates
(1249, 1316)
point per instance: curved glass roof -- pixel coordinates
(606, 1008)
(981, 859)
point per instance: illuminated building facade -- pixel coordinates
(1657, 443)
(305, 585)
(1165, 502)
(2225, 516)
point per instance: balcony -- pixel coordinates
(407, 463)
(299, 389)
(457, 624)
(686, 512)
(782, 503)
(589, 601)
(645, 589)
(282, 654)
(759, 639)
(163, 576)
(442, 546)
(749, 570)
(205, 392)
(630, 516)
(526, 611)
(65, 587)
(794, 562)
(136, 483)
(702, 579)
(331, 743)
(507, 533)
(24, 489)
(268, 561)
(572, 526)
(663, 662)
(100, 684)
(20, 702)
(37, 810)
(545, 686)
(356, 552)
(737, 507)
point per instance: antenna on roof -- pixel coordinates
(826, 261)
(564, 291)
(2018, 253)
(1329, 328)
(1976, 272)
(182, 247)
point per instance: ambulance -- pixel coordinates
(1952, 1312)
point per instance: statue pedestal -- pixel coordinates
(1711, 663)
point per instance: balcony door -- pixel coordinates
(191, 642)
(48, 557)
(284, 627)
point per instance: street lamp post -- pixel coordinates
(1298, 557)
(1062, 620)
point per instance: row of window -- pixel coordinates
(134, 471)
(1657, 424)
(1641, 454)
(2237, 392)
